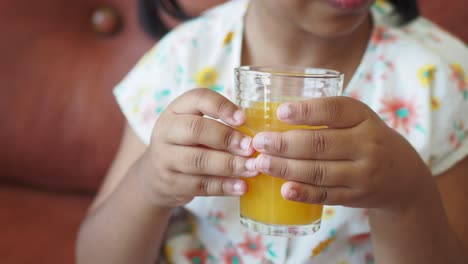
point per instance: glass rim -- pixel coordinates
(290, 71)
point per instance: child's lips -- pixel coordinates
(348, 4)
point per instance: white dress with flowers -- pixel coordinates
(412, 76)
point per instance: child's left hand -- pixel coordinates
(358, 161)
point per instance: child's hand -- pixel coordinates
(357, 161)
(191, 155)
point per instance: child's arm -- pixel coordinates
(420, 232)
(122, 226)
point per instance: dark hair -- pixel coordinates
(149, 13)
(408, 9)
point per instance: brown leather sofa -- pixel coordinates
(59, 124)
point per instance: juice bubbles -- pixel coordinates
(263, 201)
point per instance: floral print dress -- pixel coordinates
(413, 76)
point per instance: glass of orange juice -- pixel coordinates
(259, 91)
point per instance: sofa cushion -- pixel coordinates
(449, 14)
(60, 125)
(39, 227)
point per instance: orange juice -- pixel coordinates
(263, 201)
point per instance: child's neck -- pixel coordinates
(269, 42)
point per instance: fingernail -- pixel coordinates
(284, 111)
(238, 116)
(260, 141)
(250, 165)
(246, 143)
(263, 163)
(238, 187)
(292, 194)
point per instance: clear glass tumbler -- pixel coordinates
(259, 91)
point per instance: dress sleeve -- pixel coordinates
(449, 102)
(149, 87)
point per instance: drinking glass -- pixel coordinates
(259, 92)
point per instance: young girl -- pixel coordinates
(403, 120)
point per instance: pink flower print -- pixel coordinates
(253, 246)
(369, 258)
(369, 77)
(150, 113)
(156, 107)
(355, 95)
(383, 68)
(434, 37)
(460, 78)
(294, 230)
(388, 64)
(196, 255)
(458, 135)
(215, 218)
(230, 256)
(328, 213)
(400, 113)
(382, 35)
(359, 239)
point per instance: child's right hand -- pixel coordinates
(191, 155)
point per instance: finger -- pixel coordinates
(204, 101)
(318, 173)
(197, 130)
(202, 161)
(188, 185)
(324, 144)
(333, 112)
(304, 193)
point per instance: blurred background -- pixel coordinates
(59, 124)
